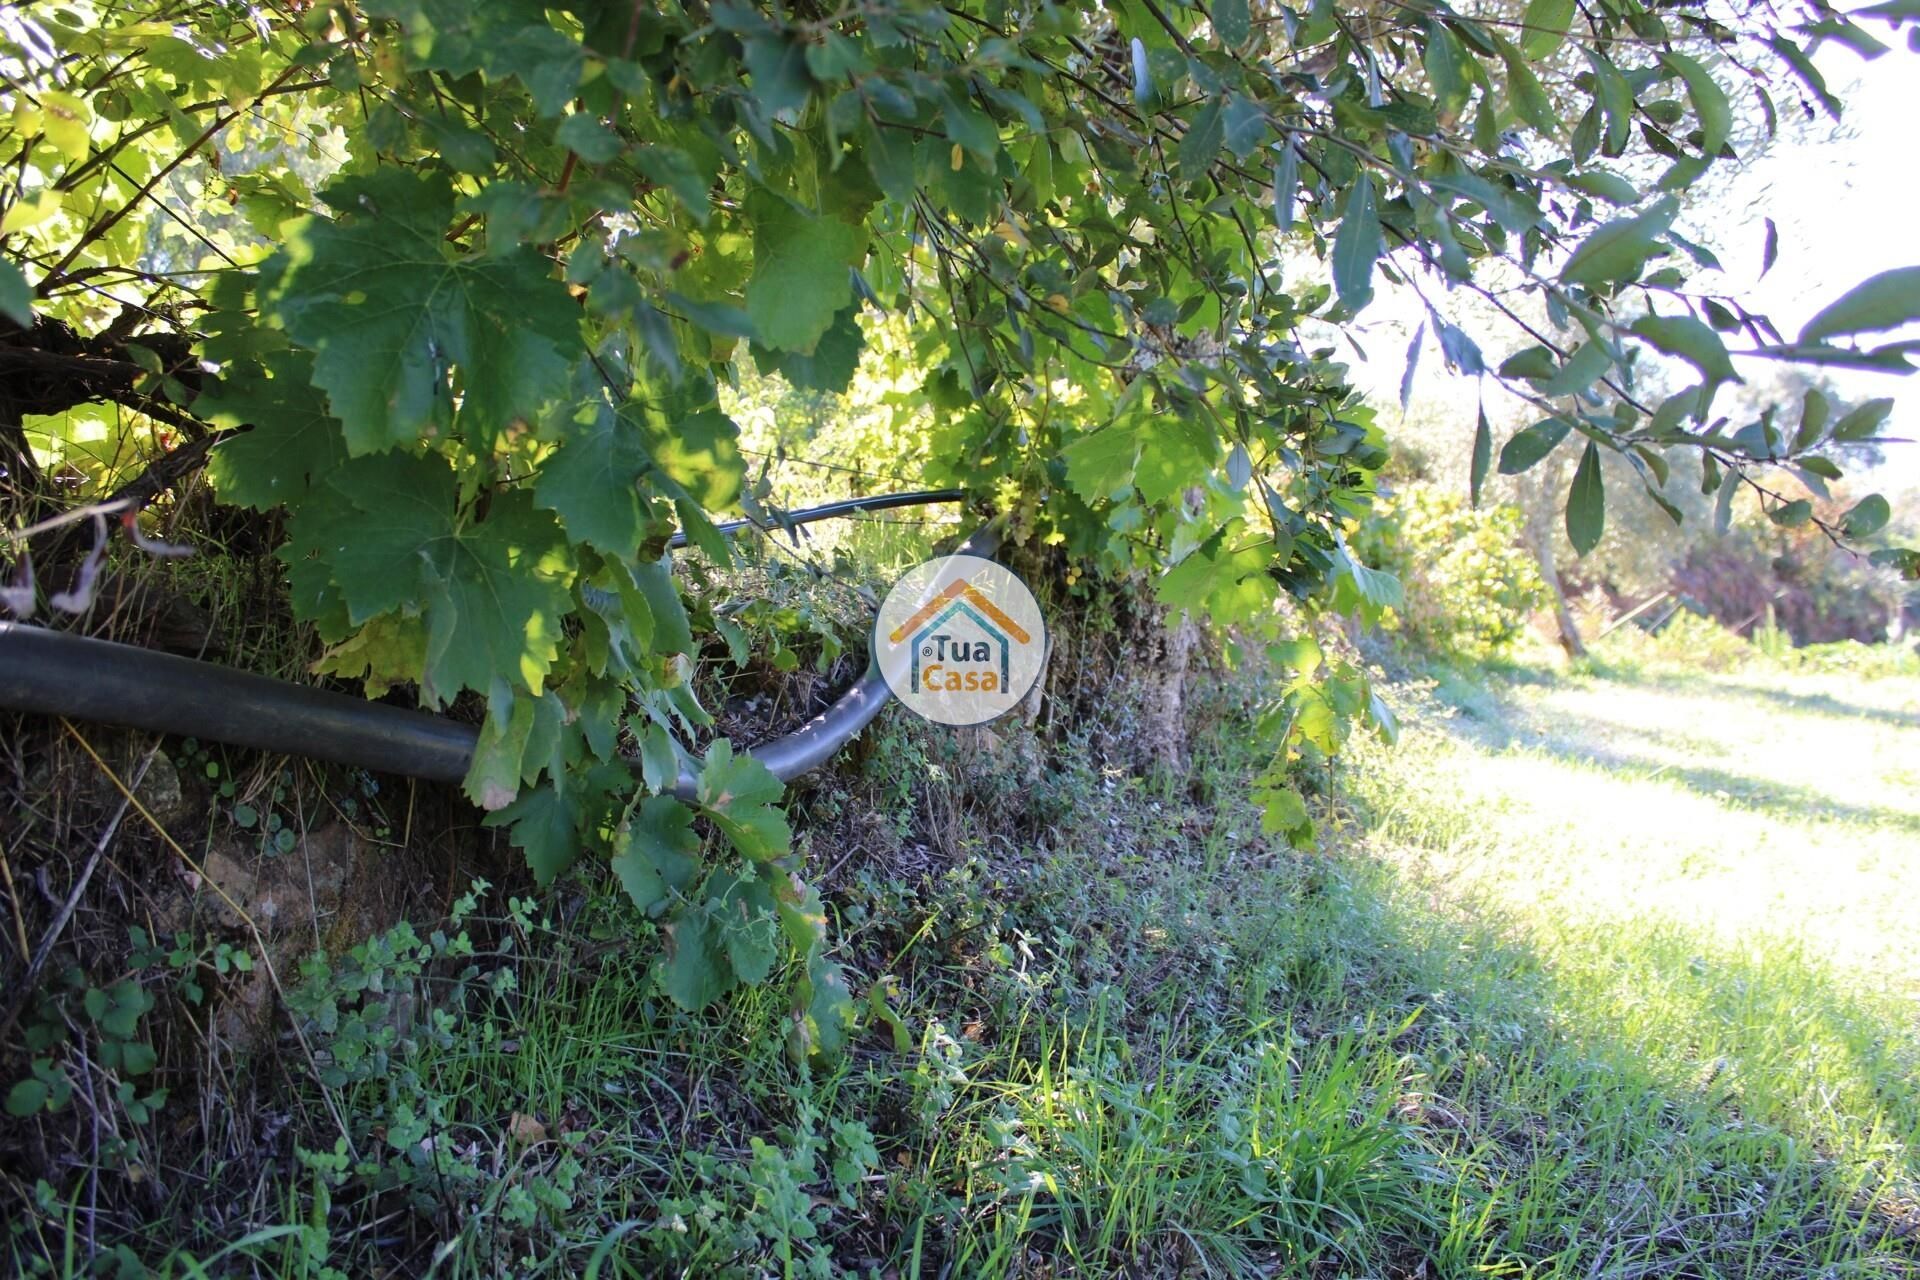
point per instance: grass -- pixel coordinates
(1600, 976)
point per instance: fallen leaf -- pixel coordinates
(526, 1129)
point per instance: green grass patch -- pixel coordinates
(1516, 1022)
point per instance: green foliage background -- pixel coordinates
(459, 286)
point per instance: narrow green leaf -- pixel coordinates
(1201, 146)
(1582, 369)
(1513, 211)
(1482, 456)
(1357, 246)
(1546, 23)
(1413, 365)
(1587, 503)
(1723, 501)
(1245, 125)
(1617, 251)
(1445, 64)
(1531, 362)
(1530, 101)
(1610, 187)
(1885, 301)
(1528, 446)
(1616, 101)
(1862, 421)
(1286, 184)
(1815, 412)
(1709, 101)
(1810, 76)
(1690, 340)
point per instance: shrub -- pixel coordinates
(1470, 584)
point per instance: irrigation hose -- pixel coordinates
(56, 673)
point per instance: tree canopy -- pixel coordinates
(457, 284)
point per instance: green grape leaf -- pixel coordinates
(831, 365)
(1226, 576)
(493, 775)
(592, 479)
(1100, 463)
(653, 584)
(802, 272)
(695, 971)
(829, 1007)
(1173, 450)
(743, 905)
(493, 591)
(656, 853)
(741, 796)
(293, 440)
(1284, 812)
(1357, 587)
(392, 313)
(659, 762)
(542, 824)
(501, 38)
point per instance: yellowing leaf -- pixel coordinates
(67, 121)
(30, 211)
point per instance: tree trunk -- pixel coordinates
(1540, 539)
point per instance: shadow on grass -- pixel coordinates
(1493, 719)
(1778, 1117)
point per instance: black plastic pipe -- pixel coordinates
(57, 673)
(60, 674)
